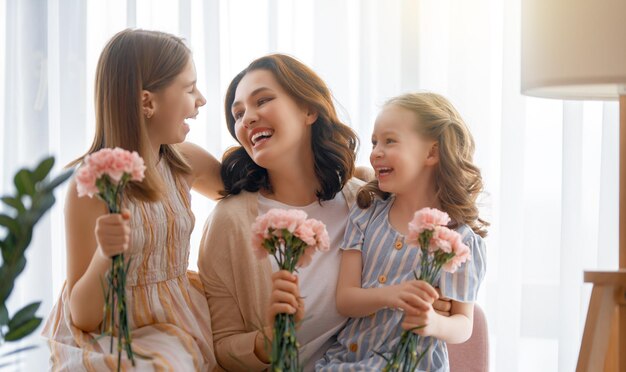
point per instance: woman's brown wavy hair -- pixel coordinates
(334, 144)
(458, 180)
(132, 61)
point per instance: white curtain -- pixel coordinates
(550, 167)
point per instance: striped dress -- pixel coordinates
(168, 312)
(387, 260)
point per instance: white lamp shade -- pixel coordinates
(574, 49)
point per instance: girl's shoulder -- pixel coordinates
(468, 236)
(475, 243)
(378, 208)
(351, 189)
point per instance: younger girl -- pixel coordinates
(145, 91)
(422, 156)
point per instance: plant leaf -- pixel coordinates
(24, 182)
(15, 203)
(23, 330)
(58, 180)
(24, 315)
(10, 224)
(43, 169)
(18, 350)
(4, 315)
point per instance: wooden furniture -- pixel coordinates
(576, 49)
(606, 317)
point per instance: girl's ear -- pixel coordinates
(433, 154)
(311, 116)
(148, 104)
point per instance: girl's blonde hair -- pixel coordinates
(132, 61)
(458, 180)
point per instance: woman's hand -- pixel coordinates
(113, 233)
(442, 305)
(285, 297)
(411, 295)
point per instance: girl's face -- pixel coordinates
(173, 105)
(269, 123)
(400, 156)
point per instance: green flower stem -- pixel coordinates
(404, 356)
(115, 293)
(284, 354)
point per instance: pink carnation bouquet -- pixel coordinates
(291, 239)
(440, 248)
(105, 173)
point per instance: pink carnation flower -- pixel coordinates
(86, 182)
(426, 219)
(272, 224)
(461, 255)
(321, 235)
(450, 241)
(313, 233)
(444, 239)
(111, 162)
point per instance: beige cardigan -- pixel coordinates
(237, 284)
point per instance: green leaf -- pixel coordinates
(4, 315)
(42, 202)
(10, 224)
(15, 203)
(24, 315)
(23, 330)
(17, 351)
(43, 169)
(58, 180)
(24, 182)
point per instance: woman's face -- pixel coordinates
(273, 129)
(174, 105)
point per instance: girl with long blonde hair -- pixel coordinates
(145, 92)
(422, 155)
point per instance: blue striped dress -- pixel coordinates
(387, 260)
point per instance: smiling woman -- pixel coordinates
(294, 154)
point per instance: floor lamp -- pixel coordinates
(576, 49)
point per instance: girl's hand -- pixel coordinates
(285, 297)
(419, 315)
(113, 233)
(426, 321)
(412, 295)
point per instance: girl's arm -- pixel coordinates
(205, 168)
(455, 329)
(92, 236)
(356, 302)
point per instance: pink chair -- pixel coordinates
(473, 354)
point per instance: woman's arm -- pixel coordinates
(356, 302)
(92, 236)
(205, 168)
(229, 288)
(455, 329)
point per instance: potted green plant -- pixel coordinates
(33, 198)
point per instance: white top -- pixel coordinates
(318, 281)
